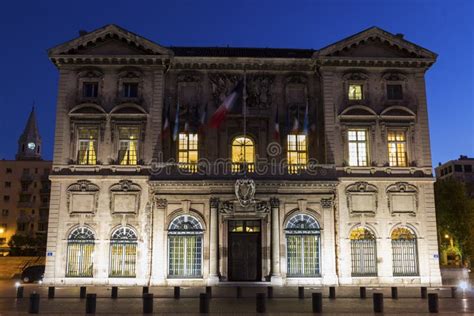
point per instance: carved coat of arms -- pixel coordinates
(245, 191)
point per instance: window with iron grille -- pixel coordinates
(297, 152)
(303, 246)
(80, 251)
(87, 146)
(243, 154)
(185, 247)
(404, 252)
(363, 252)
(397, 148)
(123, 253)
(188, 151)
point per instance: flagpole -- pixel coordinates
(244, 95)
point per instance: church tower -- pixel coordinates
(29, 143)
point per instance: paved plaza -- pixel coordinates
(224, 301)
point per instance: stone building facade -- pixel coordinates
(319, 175)
(25, 189)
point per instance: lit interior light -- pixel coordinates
(446, 236)
(2, 230)
(17, 284)
(463, 285)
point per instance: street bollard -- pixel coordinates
(378, 302)
(145, 290)
(177, 292)
(148, 303)
(301, 292)
(91, 303)
(270, 292)
(203, 303)
(239, 292)
(261, 303)
(363, 292)
(114, 292)
(34, 303)
(19, 292)
(454, 291)
(317, 302)
(82, 292)
(394, 292)
(209, 292)
(424, 292)
(332, 292)
(433, 306)
(51, 292)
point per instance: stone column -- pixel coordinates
(213, 242)
(276, 275)
(159, 266)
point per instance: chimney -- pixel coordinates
(82, 32)
(399, 35)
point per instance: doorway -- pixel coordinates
(245, 253)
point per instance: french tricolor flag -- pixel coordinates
(276, 132)
(219, 116)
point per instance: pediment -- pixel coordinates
(109, 40)
(376, 43)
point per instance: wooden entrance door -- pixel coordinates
(245, 251)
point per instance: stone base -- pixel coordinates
(212, 280)
(276, 280)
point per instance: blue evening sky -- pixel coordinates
(28, 28)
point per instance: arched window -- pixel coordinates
(243, 154)
(123, 252)
(363, 252)
(303, 244)
(80, 250)
(404, 252)
(185, 247)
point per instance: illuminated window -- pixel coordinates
(404, 252)
(355, 92)
(123, 253)
(297, 152)
(358, 147)
(128, 152)
(87, 144)
(302, 241)
(80, 250)
(363, 252)
(397, 148)
(188, 151)
(185, 247)
(243, 154)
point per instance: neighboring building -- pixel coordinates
(24, 188)
(460, 169)
(123, 213)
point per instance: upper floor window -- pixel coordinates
(87, 144)
(130, 90)
(397, 148)
(188, 151)
(8, 184)
(358, 147)
(243, 154)
(394, 92)
(467, 168)
(128, 146)
(297, 152)
(355, 92)
(9, 170)
(90, 89)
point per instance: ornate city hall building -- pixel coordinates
(315, 171)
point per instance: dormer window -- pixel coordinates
(130, 90)
(90, 89)
(394, 92)
(355, 92)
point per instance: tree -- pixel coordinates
(25, 245)
(455, 214)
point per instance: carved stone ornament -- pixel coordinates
(82, 197)
(214, 202)
(161, 203)
(189, 77)
(221, 85)
(245, 191)
(226, 207)
(262, 207)
(362, 198)
(259, 91)
(274, 202)
(326, 203)
(125, 197)
(402, 197)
